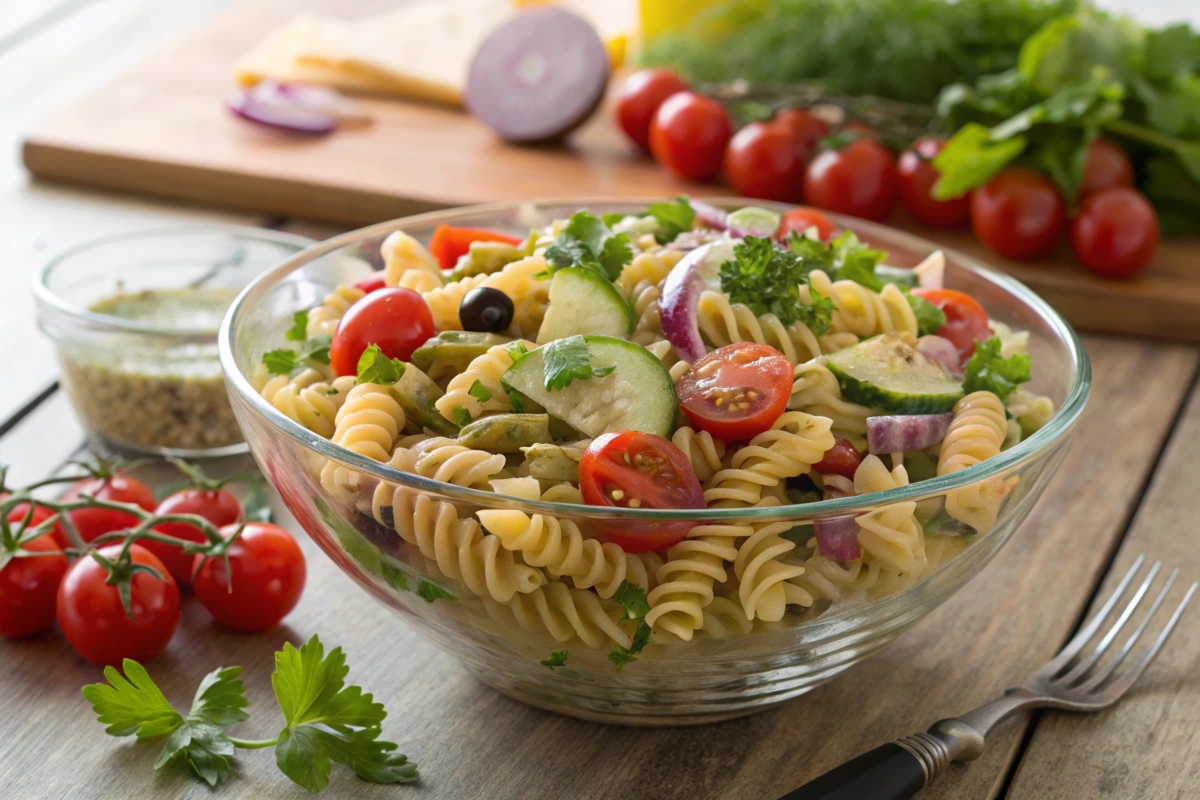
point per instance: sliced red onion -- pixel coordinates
(837, 538)
(267, 105)
(932, 271)
(753, 221)
(697, 271)
(319, 98)
(941, 351)
(900, 434)
(709, 215)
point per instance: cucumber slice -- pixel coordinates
(455, 349)
(582, 301)
(754, 221)
(637, 395)
(887, 372)
(416, 393)
(506, 433)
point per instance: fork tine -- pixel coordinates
(1085, 664)
(1108, 669)
(1089, 629)
(1122, 683)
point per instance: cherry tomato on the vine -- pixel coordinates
(917, 177)
(371, 284)
(267, 574)
(629, 469)
(216, 505)
(841, 459)
(29, 587)
(859, 179)
(40, 515)
(94, 522)
(966, 321)
(1116, 232)
(448, 244)
(763, 161)
(398, 320)
(801, 219)
(94, 621)
(1105, 165)
(808, 130)
(1018, 214)
(738, 391)
(688, 136)
(640, 96)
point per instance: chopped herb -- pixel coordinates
(930, 318)
(514, 398)
(429, 592)
(635, 606)
(568, 359)
(462, 416)
(612, 218)
(375, 367)
(298, 331)
(988, 370)
(769, 279)
(556, 659)
(673, 218)
(279, 362)
(285, 362)
(479, 392)
(331, 390)
(587, 241)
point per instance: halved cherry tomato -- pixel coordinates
(801, 219)
(807, 130)
(1116, 232)
(688, 136)
(859, 179)
(1106, 165)
(763, 160)
(93, 522)
(29, 587)
(966, 321)
(841, 459)
(371, 284)
(448, 244)
(268, 574)
(217, 506)
(640, 96)
(1018, 214)
(738, 391)
(398, 320)
(630, 469)
(917, 177)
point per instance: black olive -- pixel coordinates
(486, 310)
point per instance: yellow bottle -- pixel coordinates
(659, 16)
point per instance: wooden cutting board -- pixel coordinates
(162, 130)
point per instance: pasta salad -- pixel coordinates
(685, 358)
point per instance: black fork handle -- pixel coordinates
(889, 772)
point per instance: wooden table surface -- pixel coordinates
(1128, 486)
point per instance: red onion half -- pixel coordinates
(697, 271)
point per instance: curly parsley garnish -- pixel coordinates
(769, 279)
(987, 370)
(586, 241)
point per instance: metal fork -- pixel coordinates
(1073, 681)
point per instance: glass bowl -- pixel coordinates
(146, 379)
(411, 541)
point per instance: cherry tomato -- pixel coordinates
(808, 130)
(917, 177)
(841, 459)
(859, 180)
(762, 160)
(371, 284)
(857, 126)
(1106, 165)
(1018, 214)
(801, 219)
(217, 506)
(268, 574)
(94, 621)
(688, 136)
(738, 391)
(93, 522)
(29, 588)
(398, 320)
(449, 244)
(629, 469)
(40, 515)
(966, 321)
(640, 96)
(1116, 232)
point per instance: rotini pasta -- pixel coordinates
(794, 443)
(519, 280)
(403, 255)
(976, 433)
(308, 399)
(815, 390)
(862, 312)
(486, 370)
(324, 319)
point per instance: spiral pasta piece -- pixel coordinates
(764, 588)
(309, 400)
(445, 460)
(724, 618)
(703, 452)
(403, 255)
(685, 581)
(487, 369)
(793, 444)
(649, 267)
(324, 318)
(723, 323)
(816, 391)
(889, 536)
(518, 280)
(863, 312)
(565, 614)
(976, 433)
(368, 423)
(648, 327)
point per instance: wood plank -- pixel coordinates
(472, 742)
(162, 130)
(1146, 746)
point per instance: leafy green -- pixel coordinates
(298, 331)
(328, 721)
(284, 362)
(987, 370)
(673, 218)
(567, 360)
(586, 241)
(431, 591)
(479, 392)
(634, 606)
(929, 317)
(972, 158)
(556, 659)
(769, 279)
(375, 367)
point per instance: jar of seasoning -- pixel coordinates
(135, 319)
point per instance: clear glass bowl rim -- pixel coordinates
(1059, 425)
(105, 322)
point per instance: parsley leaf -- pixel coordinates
(431, 591)
(586, 241)
(298, 331)
(479, 392)
(279, 362)
(375, 367)
(929, 317)
(131, 704)
(635, 606)
(329, 721)
(515, 399)
(284, 362)
(568, 359)
(769, 279)
(673, 218)
(611, 218)
(316, 348)
(988, 370)
(556, 659)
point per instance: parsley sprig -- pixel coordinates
(586, 241)
(634, 606)
(375, 367)
(769, 279)
(988, 370)
(672, 218)
(286, 361)
(324, 720)
(567, 360)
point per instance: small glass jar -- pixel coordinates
(135, 320)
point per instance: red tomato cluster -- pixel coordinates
(267, 566)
